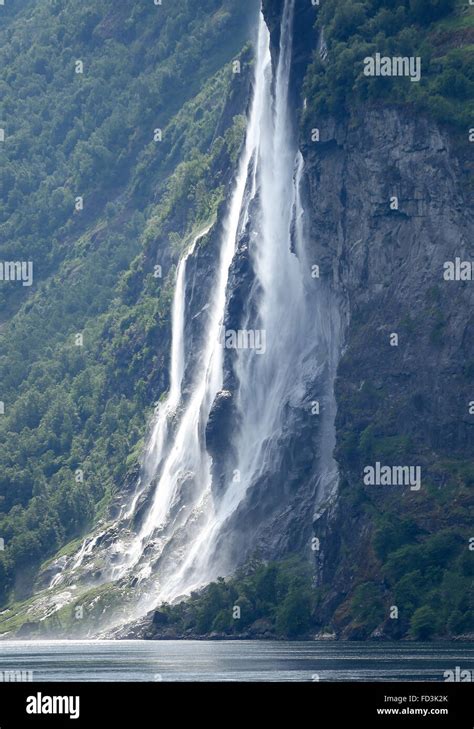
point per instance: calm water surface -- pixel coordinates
(233, 660)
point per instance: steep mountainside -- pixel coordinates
(108, 176)
(403, 405)
(74, 415)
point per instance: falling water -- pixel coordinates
(167, 410)
(297, 331)
(176, 545)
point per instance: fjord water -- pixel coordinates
(234, 660)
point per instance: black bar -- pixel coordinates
(321, 704)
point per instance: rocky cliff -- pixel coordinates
(390, 204)
(404, 399)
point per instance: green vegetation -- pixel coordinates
(427, 575)
(418, 555)
(440, 32)
(262, 600)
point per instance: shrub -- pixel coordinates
(423, 623)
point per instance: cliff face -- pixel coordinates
(387, 192)
(406, 404)
(386, 553)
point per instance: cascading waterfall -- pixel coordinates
(297, 335)
(176, 546)
(185, 459)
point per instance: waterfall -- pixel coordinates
(298, 323)
(160, 434)
(180, 543)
